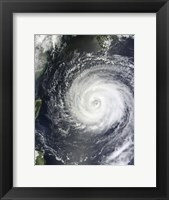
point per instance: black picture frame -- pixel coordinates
(7, 8)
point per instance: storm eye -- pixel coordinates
(96, 103)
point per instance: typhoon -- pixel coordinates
(88, 109)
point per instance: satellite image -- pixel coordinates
(84, 99)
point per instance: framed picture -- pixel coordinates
(84, 99)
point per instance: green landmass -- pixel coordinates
(38, 73)
(38, 104)
(40, 159)
(103, 39)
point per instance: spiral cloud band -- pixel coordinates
(90, 109)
